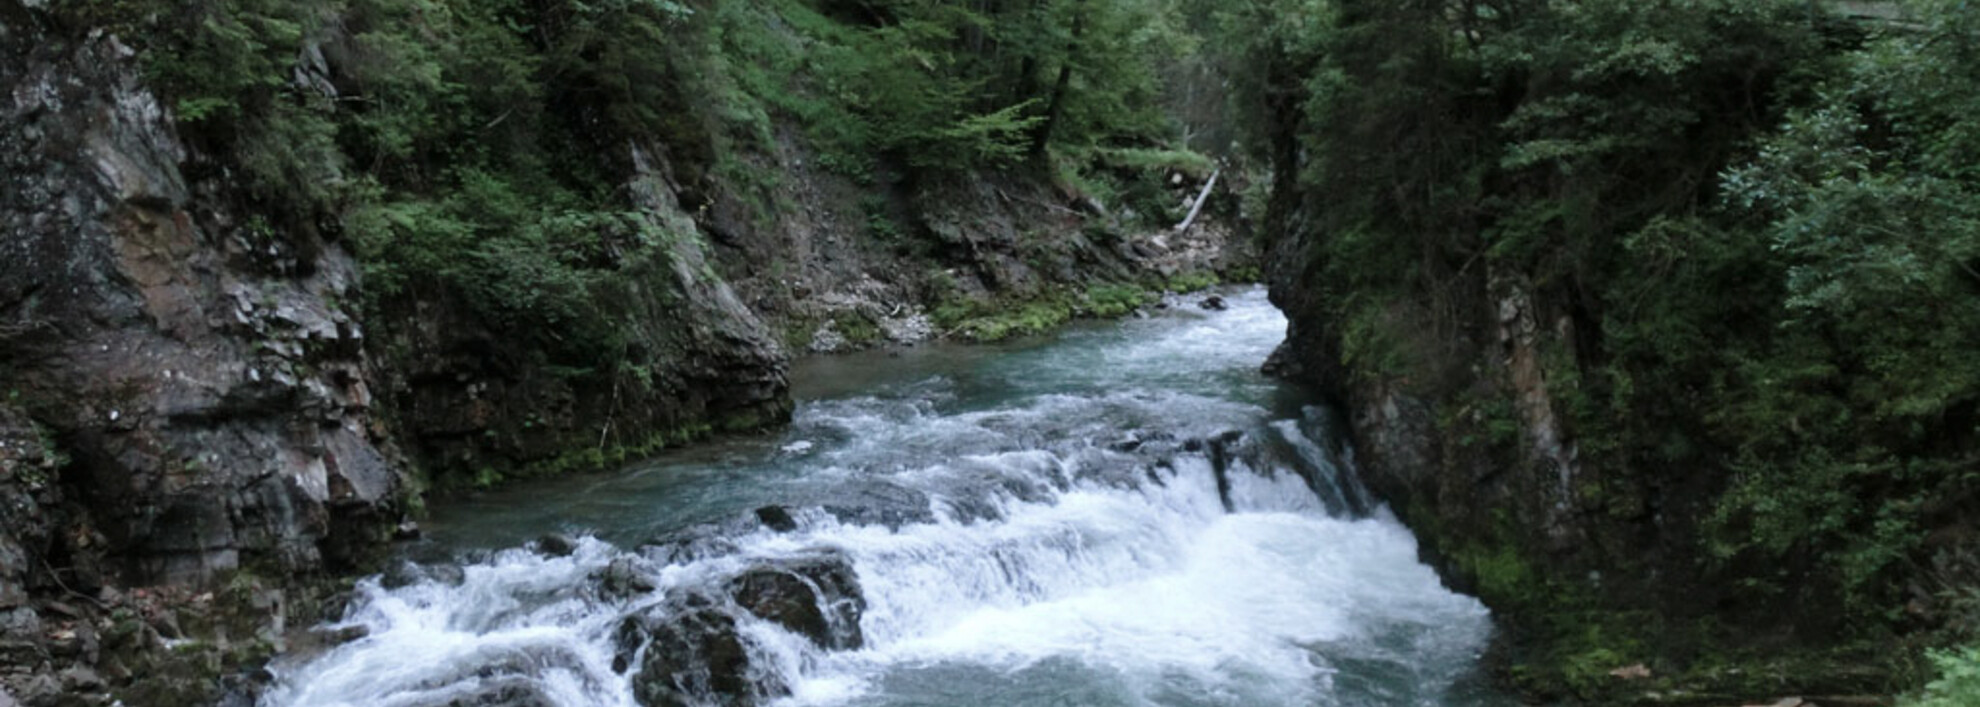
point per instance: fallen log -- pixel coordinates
(1200, 198)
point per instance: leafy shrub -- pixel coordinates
(1958, 682)
(1114, 300)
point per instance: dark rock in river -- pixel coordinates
(406, 530)
(816, 598)
(1214, 304)
(623, 579)
(697, 542)
(880, 503)
(695, 653)
(555, 545)
(409, 573)
(776, 518)
(1222, 449)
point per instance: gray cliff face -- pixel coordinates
(212, 391)
(183, 396)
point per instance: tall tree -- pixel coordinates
(1055, 104)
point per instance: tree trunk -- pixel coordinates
(1057, 105)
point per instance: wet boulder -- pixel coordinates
(692, 543)
(319, 640)
(776, 518)
(406, 574)
(555, 545)
(623, 579)
(690, 649)
(694, 655)
(817, 598)
(880, 503)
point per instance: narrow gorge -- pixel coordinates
(1016, 352)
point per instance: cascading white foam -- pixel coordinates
(1052, 564)
(516, 617)
(1155, 585)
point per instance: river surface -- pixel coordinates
(1125, 514)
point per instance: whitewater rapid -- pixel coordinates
(1125, 515)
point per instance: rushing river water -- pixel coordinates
(1128, 514)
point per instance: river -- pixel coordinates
(1124, 514)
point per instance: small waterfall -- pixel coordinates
(1328, 469)
(1102, 544)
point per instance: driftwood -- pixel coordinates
(1200, 198)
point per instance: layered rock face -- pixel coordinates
(198, 368)
(186, 402)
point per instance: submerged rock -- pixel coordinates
(509, 691)
(555, 545)
(880, 503)
(1135, 440)
(699, 542)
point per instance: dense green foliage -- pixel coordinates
(1749, 228)
(477, 149)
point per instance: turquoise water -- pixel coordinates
(1124, 514)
